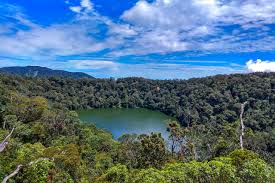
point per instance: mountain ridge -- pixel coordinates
(37, 71)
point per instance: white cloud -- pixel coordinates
(198, 25)
(79, 36)
(260, 66)
(76, 9)
(53, 40)
(121, 29)
(161, 26)
(85, 5)
(158, 41)
(93, 64)
(174, 14)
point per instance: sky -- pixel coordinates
(157, 39)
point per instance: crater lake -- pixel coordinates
(127, 121)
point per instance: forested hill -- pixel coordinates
(213, 102)
(42, 141)
(199, 100)
(36, 71)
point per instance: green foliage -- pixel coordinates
(221, 172)
(256, 171)
(38, 131)
(27, 109)
(29, 152)
(239, 157)
(36, 173)
(213, 171)
(207, 108)
(61, 177)
(129, 150)
(174, 173)
(65, 157)
(103, 162)
(150, 175)
(116, 174)
(153, 151)
(213, 102)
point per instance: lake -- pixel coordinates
(127, 121)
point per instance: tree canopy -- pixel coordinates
(51, 144)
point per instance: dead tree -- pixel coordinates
(242, 124)
(4, 143)
(19, 167)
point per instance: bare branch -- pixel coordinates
(19, 167)
(16, 171)
(4, 143)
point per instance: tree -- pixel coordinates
(39, 173)
(239, 157)
(256, 171)
(148, 176)
(129, 150)
(116, 174)
(174, 173)
(153, 151)
(176, 136)
(183, 140)
(65, 157)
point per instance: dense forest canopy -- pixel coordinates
(205, 146)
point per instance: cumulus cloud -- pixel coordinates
(53, 40)
(23, 38)
(199, 25)
(175, 14)
(158, 41)
(172, 14)
(260, 66)
(124, 30)
(86, 4)
(160, 26)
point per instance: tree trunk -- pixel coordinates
(242, 124)
(4, 125)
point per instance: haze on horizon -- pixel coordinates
(158, 39)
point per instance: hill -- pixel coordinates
(36, 71)
(213, 102)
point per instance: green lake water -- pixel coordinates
(127, 121)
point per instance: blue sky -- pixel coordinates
(159, 39)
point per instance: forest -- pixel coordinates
(43, 139)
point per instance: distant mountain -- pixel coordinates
(36, 71)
